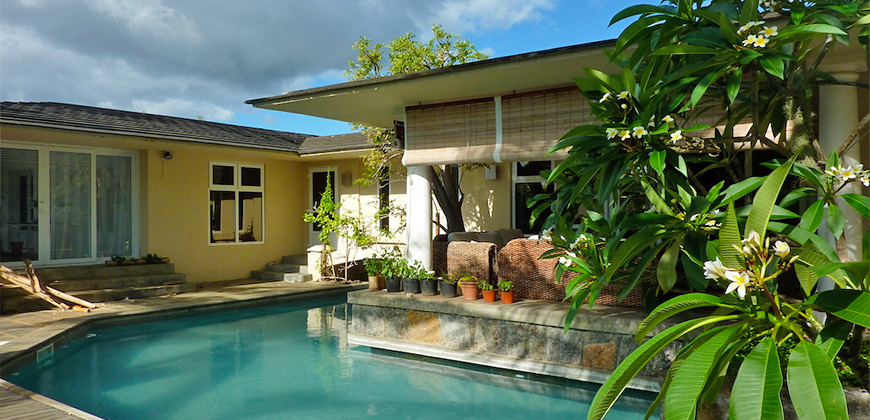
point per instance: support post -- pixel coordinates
(419, 213)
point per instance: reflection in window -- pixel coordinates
(527, 183)
(236, 203)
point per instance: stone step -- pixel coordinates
(287, 268)
(31, 303)
(280, 276)
(295, 259)
(51, 274)
(117, 282)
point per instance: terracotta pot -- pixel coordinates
(469, 290)
(374, 283)
(507, 297)
(488, 295)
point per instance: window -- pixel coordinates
(527, 183)
(235, 203)
(384, 198)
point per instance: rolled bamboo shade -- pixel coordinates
(533, 123)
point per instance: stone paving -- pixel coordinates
(21, 335)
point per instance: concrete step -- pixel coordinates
(287, 268)
(281, 276)
(52, 274)
(31, 303)
(295, 259)
(117, 282)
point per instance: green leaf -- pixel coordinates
(765, 199)
(815, 28)
(836, 221)
(808, 259)
(637, 10)
(685, 50)
(729, 235)
(657, 161)
(813, 385)
(832, 337)
(860, 203)
(812, 217)
(851, 305)
(755, 394)
(773, 65)
(733, 86)
(688, 384)
(742, 188)
(634, 362)
(666, 271)
(672, 307)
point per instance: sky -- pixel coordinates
(204, 59)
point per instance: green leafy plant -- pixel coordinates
(505, 286)
(373, 265)
(484, 286)
(468, 278)
(447, 278)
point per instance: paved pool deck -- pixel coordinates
(23, 335)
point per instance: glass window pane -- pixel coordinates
(250, 216)
(251, 177)
(532, 168)
(522, 213)
(223, 175)
(114, 206)
(70, 205)
(223, 209)
(19, 211)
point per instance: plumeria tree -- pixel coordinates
(646, 214)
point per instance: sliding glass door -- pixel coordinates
(65, 205)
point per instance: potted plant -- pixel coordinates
(428, 283)
(448, 285)
(488, 291)
(374, 267)
(506, 290)
(468, 284)
(412, 277)
(394, 269)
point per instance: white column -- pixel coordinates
(419, 214)
(838, 117)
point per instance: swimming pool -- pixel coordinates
(287, 361)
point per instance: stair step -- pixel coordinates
(295, 259)
(29, 302)
(287, 268)
(116, 282)
(279, 276)
(52, 274)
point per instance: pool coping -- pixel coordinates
(35, 332)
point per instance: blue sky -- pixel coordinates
(193, 59)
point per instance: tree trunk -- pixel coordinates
(446, 191)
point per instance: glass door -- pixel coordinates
(319, 179)
(19, 204)
(70, 193)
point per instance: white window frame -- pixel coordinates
(237, 188)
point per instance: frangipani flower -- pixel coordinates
(847, 173)
(604, 98)
(739, 281)
(624, 134)
(781, 249)
(622, 95)
(715, 269)
(639, 131)
(676, 136)
(760, 42)
(834, 171)
(611, 132)
(769, 31)
(865, 179)
(752, 240)
(668, 119)
(750, 40)
(565, 261)
(652, 121)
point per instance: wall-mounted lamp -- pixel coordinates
(167, 155)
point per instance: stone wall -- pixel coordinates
(526, 336)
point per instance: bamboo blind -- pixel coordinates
(533, 123)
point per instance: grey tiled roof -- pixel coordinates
(110, 121)
(337, 143)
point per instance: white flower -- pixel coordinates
(611, 132)
(715, 269)
(652, 121)
(753, 239)
(769, 31)
(760, 42)
(624, 106)
(711, 223)
(668, 119)
(865, 179)
(834, 171)
(750, 39)
(781, 249)
(715, 212)
(624, 134)
(546, 235)
(622, 95)
(694, 217)
(639, 131)
(676, 136)
(744, 28)
(604, 98)
(565, 261)
(739, 281)
(847, 174)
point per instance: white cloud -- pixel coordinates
(475, 15)
(149, 19)
(184, 108)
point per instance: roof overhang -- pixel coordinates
(378, 102)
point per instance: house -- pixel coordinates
(80, 184)
(507, 112)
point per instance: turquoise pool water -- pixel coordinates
(286, 362)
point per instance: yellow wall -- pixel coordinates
(487, 203)
(174, 201)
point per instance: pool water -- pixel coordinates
(286, 362)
